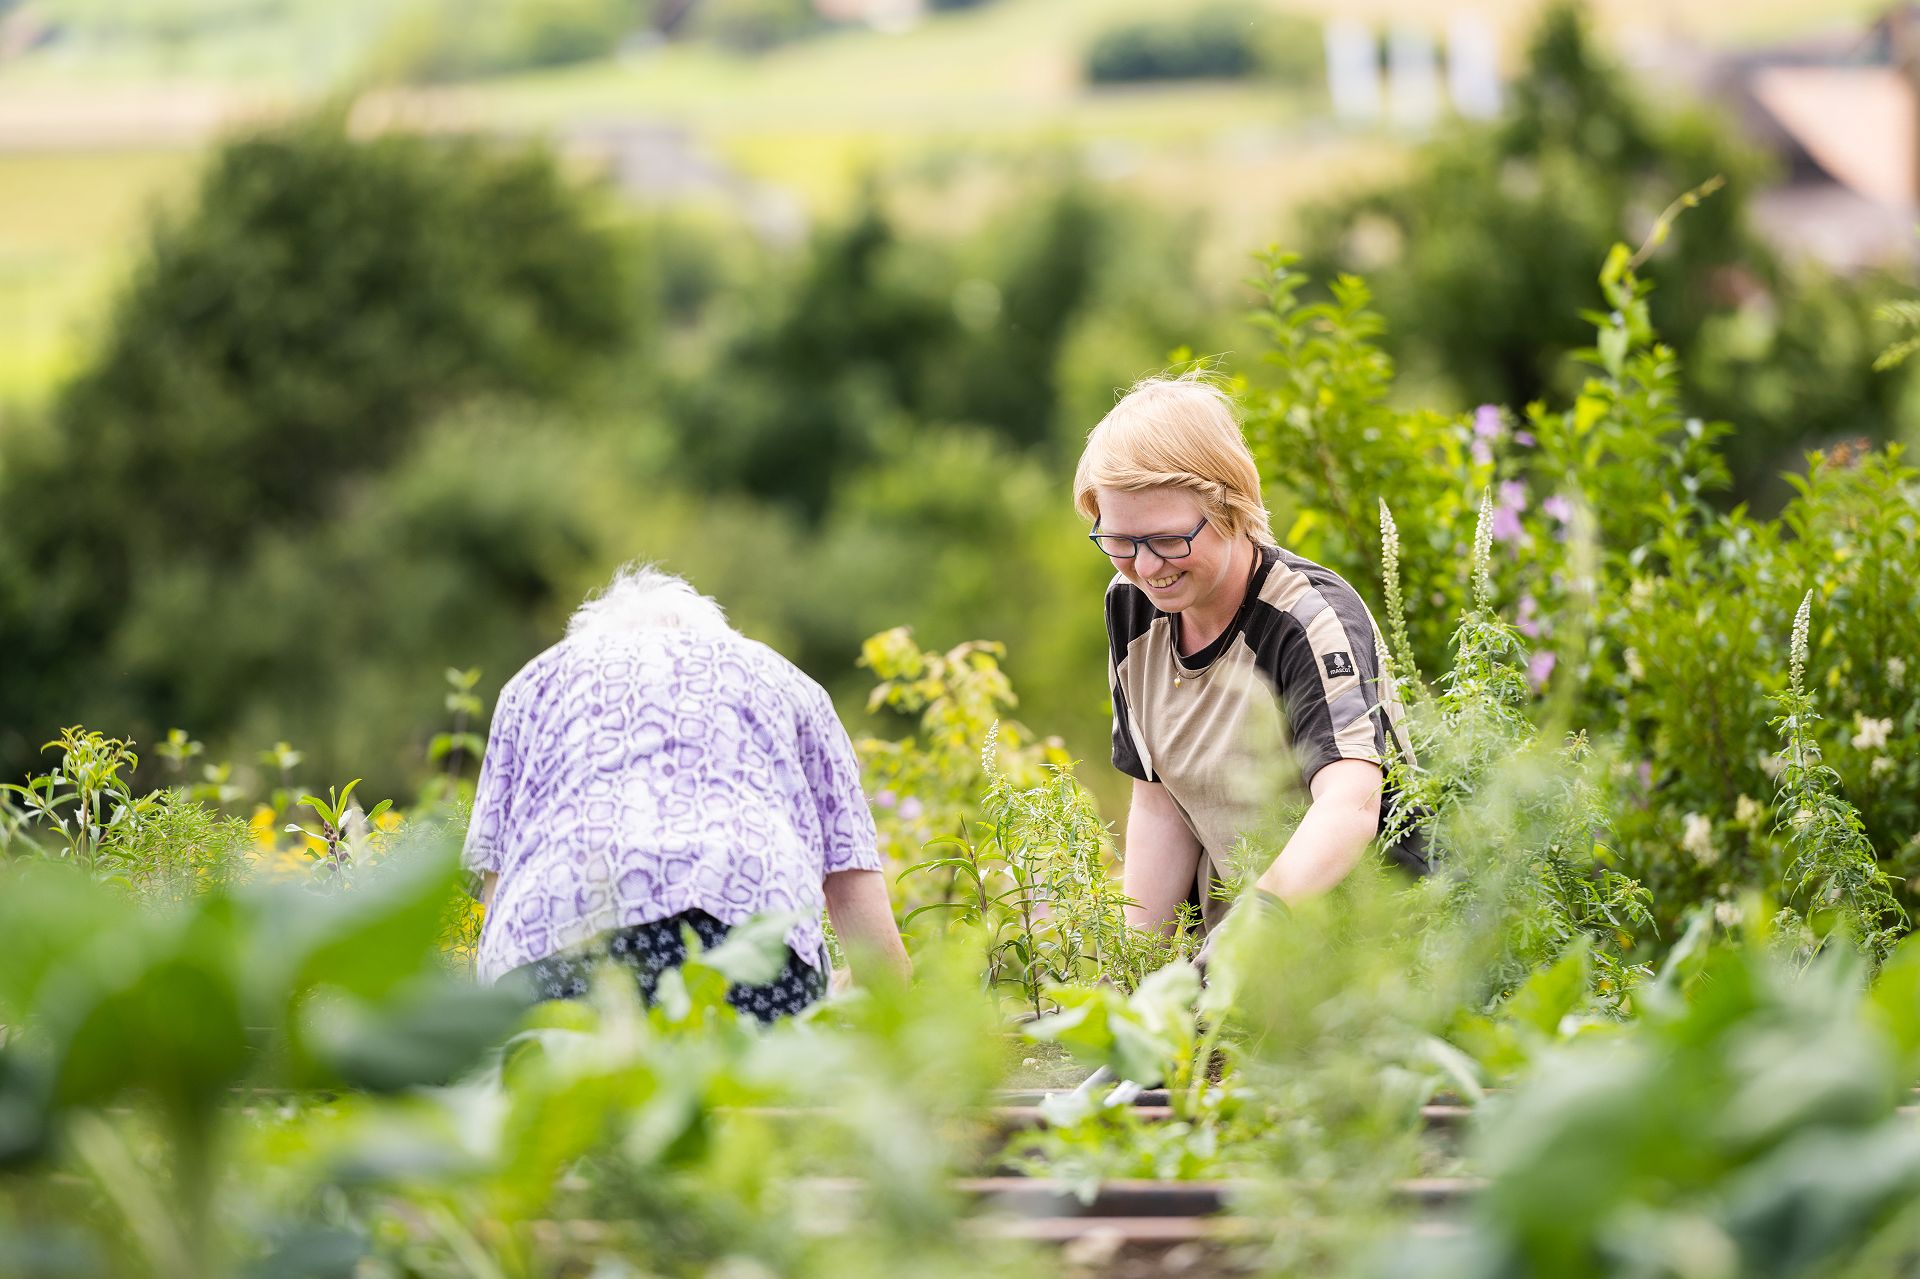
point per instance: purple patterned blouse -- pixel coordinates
(634, 775)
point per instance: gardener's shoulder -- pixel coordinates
(771, 667)
(1296, 590)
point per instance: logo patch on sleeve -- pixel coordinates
(1338, 664)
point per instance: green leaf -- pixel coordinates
(1619, 258)
(1550, 993)
(1612, 346)
(428, 1033)
(365, 942)
(1098, 1028)
(753, 952)
(168, 1024)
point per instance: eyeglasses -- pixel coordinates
(1168, 546)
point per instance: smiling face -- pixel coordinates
(1212, 578)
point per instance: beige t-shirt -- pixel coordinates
(1239, 728)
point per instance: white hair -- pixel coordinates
(641, 596)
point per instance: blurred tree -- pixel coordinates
(797, 389)
(1048, 260)
(872, 325)
(281, 341)
(1218, 42)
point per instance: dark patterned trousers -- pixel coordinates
(652, 948)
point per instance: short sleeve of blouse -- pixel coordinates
(490, 821)
(832, 773)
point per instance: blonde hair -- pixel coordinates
(642, 597)
(1176, 432)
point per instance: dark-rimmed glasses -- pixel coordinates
(1168, 546)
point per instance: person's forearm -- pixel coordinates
(862, 916)
(1162, 860)
(489, 883)
(1324, 849)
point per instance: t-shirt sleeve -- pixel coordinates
(832, 772)
(1126, 749)
(500, 768)
(1329, 682)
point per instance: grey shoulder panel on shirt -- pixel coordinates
(1304, 606)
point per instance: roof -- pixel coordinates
(1860, 124)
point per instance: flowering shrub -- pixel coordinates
(1650, 619)
(928, 784)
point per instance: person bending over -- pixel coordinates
(657, 771)
(1239, 671)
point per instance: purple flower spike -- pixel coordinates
(1514, 494)
(1558, 507)
(1540, 668)
(1487, 423)
(1524, 439)
(910, 809)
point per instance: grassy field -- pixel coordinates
(961, 109)
(69, 223)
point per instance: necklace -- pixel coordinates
(1183, 675)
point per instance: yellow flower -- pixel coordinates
(263, 826)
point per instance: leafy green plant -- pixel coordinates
(1903, 316)
(958, 700)
(1745, 1124)
(177, 749)
(1034, 873)
(1834, 867)
(1330, 441)
(85, 801)
(341, 827)
(132, 1022)
(454, 748)
(1514, 825)
(283, 759)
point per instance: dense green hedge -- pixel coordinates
(1221, 42)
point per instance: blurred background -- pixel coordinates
(345, 341)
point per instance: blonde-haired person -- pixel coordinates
(653, 772)
(1239, 671)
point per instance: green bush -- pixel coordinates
(280, 343)
(1221, 42)
(1746, 1124)
(1662, 623)
(871, 327)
